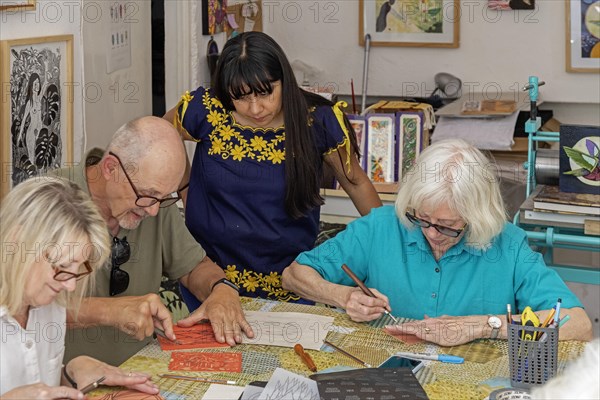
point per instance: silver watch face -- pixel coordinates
(494, 322)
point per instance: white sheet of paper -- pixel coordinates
(288, 328)
(483, 133)
(285, 385)
(252, 393)
(219, 392)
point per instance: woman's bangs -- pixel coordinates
(247, 80)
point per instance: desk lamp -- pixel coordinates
(448, 84)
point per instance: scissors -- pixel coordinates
(529, 318)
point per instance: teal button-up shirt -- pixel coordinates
(399, 263)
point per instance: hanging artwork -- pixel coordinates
(214, 16)
(583, 36)
(409, 23)
(36, 107)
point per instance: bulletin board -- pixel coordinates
(244, 17)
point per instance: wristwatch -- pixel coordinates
(226, 282)
(495, 323)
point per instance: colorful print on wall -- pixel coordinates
(214, 16)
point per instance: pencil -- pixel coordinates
(92, 385)
(344, 352)
(509, 319)
(364, 288)
(197, 379)
(306, 358)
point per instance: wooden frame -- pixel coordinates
(23, 4)
(380, 147)
(580, 43)
(410, 23)
(409, 130)
(36, 109)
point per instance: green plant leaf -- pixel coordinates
(577, 157)
(577, 172)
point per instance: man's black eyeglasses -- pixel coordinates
(149, 201)
(63, 276)
(120, 253)
(444, 230)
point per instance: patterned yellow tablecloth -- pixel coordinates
(485, 367)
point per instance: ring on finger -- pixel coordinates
(427, 330)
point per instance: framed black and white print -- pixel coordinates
(36, 131)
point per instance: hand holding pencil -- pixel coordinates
(364, 288)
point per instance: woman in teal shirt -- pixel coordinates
(445, 255)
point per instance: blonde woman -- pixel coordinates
(444, 255)
(52, 239)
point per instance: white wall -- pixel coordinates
(106, 100)
(498, 51)
(48, 19)
(113, 99)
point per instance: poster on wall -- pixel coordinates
(214, 16)
(118, 55)
(36, 108)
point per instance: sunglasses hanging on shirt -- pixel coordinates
(120, 253)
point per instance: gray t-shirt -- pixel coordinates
(160, 245)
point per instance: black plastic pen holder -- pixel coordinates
(532, 362)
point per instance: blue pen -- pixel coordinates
(557, 313)
(447, 358)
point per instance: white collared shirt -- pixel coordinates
(34, 354)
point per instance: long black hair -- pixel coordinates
(250, 63)
(32, 78)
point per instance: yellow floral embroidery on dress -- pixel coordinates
(253, 282)
(183, 104)
(228, 142)
(339, 114)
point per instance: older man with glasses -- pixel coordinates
(134, 184)
(445, 256)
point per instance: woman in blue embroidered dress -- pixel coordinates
(253, 201)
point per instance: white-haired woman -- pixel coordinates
(445, 256)
(52, 239)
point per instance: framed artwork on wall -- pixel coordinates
(214, 16)
(36, 131)
(10, 4)
(582, 36)
(410, 23)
